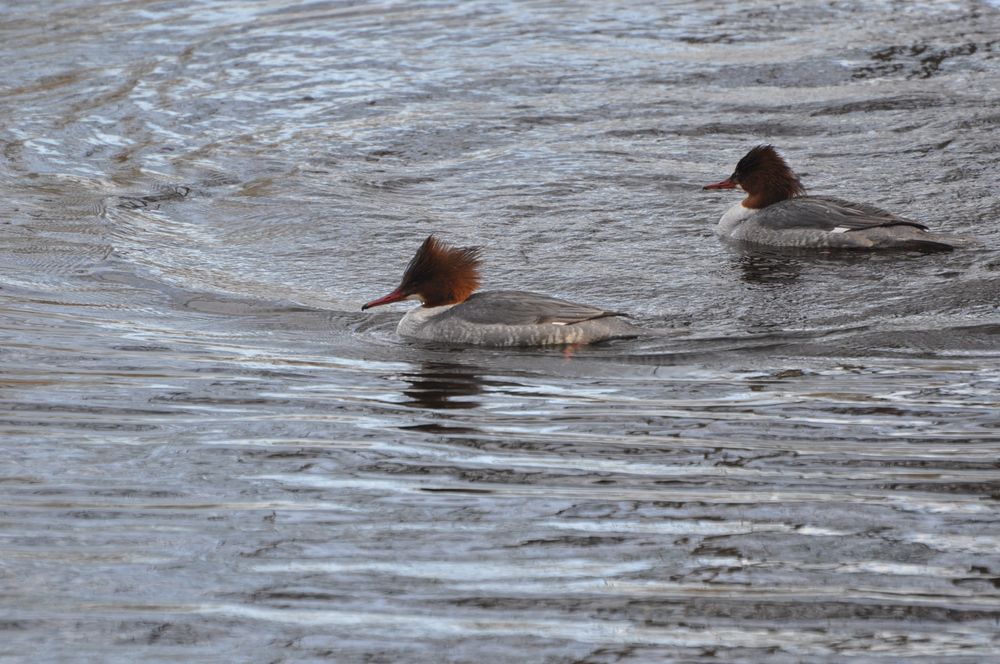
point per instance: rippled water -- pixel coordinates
(210, 453)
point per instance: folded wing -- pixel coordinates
(829, 214)
(521, 308)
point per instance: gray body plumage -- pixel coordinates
(826, 222)
(515, 318)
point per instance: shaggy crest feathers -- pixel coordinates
(441, 274)
(766, 177)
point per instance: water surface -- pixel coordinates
(211, 454)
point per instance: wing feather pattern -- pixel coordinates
(829, 214)
(521, 308)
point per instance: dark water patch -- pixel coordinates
(920, 60)
(746, 128)
(170, 193)
(904, 103)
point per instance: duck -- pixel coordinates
(777, 213)
(444, 280)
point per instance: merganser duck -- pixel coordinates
(443, 279)
(776, 212)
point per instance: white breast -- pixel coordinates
(416, 318)
(731, 220)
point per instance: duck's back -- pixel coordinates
(515, 318)
(828, 222)
(828, 214)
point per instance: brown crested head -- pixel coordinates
(437, 275)
(765, 176)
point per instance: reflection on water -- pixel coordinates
(440, 385)
(211, 454)
(766, 268)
